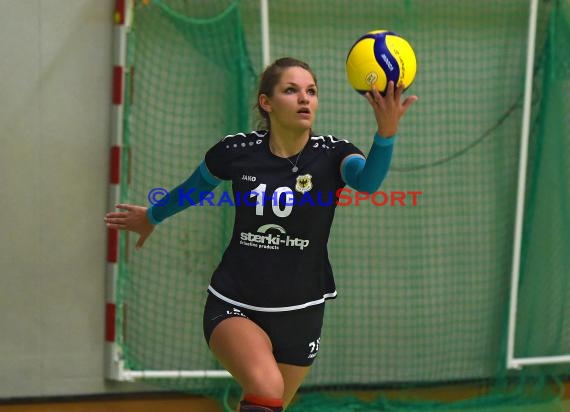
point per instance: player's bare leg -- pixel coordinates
(293, 377)
(245, 350)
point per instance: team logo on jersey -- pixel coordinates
(304, 183)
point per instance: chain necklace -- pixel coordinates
(295, 169)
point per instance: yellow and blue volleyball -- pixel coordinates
(378, 57)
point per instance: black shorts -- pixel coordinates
(295, 335)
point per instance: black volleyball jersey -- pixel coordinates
(277, 258)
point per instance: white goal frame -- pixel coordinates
(512, 361)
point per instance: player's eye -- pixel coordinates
(312, 91)
(290, 90)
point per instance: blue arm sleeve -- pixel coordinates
(187, 194)
(366, 175)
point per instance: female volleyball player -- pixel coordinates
(265, 305)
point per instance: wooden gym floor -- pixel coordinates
(182, 403)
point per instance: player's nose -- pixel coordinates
(303, 97)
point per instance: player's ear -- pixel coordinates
(264, 103)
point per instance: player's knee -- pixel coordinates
(265, 382)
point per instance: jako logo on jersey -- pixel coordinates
(264, 240)
(248, 178)
(304, 183)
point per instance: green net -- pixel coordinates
(423, 290)
(547, 228)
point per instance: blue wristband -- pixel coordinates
(385, 141)
(185, 195)
(367, 174)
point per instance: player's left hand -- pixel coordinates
(389, 109)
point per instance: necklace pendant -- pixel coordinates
(294, 169)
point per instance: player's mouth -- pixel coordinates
(304, 112)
